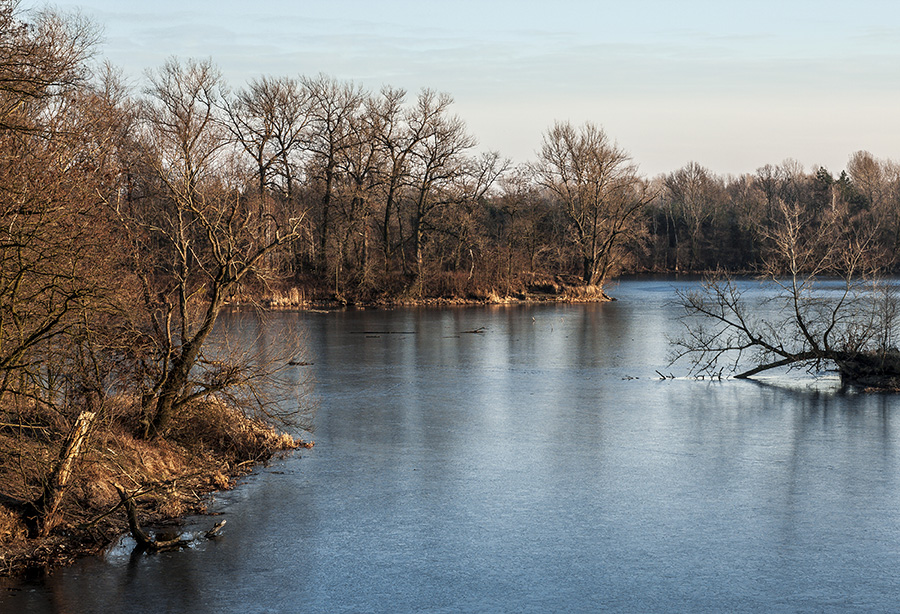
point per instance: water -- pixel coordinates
(540, 465)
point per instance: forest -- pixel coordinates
(357, 196)
(133, 217)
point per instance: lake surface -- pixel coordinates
(538, 466)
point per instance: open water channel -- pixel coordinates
(538, 466)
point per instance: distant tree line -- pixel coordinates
(703, 222)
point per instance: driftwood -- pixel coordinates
(47, 506)
(145, 541)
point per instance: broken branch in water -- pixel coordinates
(147, 542)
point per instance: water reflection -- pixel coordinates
(539, 465)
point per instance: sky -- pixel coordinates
(731, 85)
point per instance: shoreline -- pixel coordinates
(294, 299)
(98, 518)
(169, 479)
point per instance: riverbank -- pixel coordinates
(206, 451)
(169, 478)
(559, 288)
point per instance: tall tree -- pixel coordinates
(437, 164)
(395, 140)
(361, 165)
(43, 241)
(269, 120)
(60, 273)
(597, 188)
(205, 238)
(693, 194)
(334, 105)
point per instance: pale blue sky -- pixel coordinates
(731, 85)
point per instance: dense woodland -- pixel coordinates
(131, 217)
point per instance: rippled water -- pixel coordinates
(540, 465)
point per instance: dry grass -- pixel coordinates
(578, 294)
(210, 445)
(11, 527)
(213, 425)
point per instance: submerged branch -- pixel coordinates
(790, 360)
(145, 541)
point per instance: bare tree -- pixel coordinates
(395, 140)
(869, 176)
(61, 273)
(206, 238)
(269, 121)
(43, 242)
(598, 189)
(877, 182)
(40, 59)
(482, 173)
(527, 229)
(334, 104)
(807, 322)
(693, 194)
(437, 164)
(361, 164)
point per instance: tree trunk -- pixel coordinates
(386, 229)
(144, 540)
(420, 260)
(588, 272)
(177, 378)
(326, 206)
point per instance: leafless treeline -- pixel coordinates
(130, 219)
(703, 222)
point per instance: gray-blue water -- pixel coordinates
(539, 466)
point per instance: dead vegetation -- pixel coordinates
(209, 447)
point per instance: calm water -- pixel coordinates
(539, 466)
